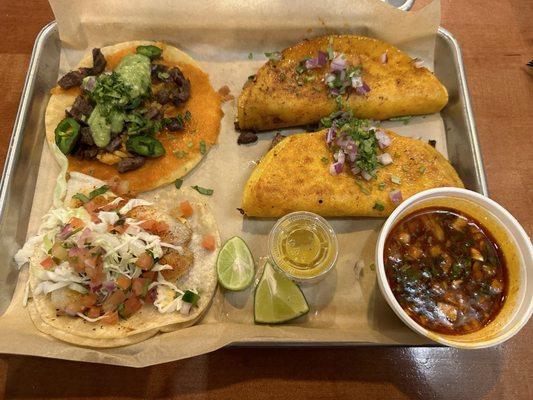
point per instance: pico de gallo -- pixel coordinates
(100, 264)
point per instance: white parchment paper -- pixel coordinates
(221, 35)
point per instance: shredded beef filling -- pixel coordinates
(130, 163)
(81, 109)
(75, 78)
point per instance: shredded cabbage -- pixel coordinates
(23, 255)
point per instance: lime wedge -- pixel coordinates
(277, 298)
(235, 265)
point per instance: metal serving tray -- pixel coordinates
(22, 163)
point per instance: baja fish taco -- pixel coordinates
(109, 271)
(350, 169)
(306, 82)
(140, 112)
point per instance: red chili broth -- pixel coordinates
(437, 277)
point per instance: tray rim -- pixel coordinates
(469, 111)
(20, 117)
(26, 98)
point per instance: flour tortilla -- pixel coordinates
(294, 176)
(147, 321)
(204, 105)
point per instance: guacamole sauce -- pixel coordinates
(129, 81)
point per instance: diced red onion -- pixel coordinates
(366, 175)
(330, 135)
(336, 168)
(85, 234)
(384, 58)
(351, 150)
(342, 77)
(357, 81)
(94, 288)
(342, 141)
(185, 308)
(89, 83)
(74, 252)
(330, 78)
(418, 63)
(383, 139)
(396, 196)
(364, 89)
(335, 92)
(340, 157)
(317, 62)
(109, 286)
(338, 63)
(65, 232)
(385, 159)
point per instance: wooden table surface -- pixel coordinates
(497, 40)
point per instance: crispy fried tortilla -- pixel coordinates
(148, 321)
(279, 96)
(295, 176)
(184, 149)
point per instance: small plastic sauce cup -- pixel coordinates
(304, 246)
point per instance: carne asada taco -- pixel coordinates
(109, 271)
(141, 111)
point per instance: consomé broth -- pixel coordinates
(445, 270)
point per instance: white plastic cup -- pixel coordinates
(518, 305)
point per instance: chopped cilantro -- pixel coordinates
(382, 186)
(273, 56)
(250, 56)
(178, 183)
(81, 197)
(361, 187)
(202, 147)
(180, 153)
(422, 169)
(300, 68)
(204, 191)
(187, 115)
(405, 119)
(190, 297)
(338, 101)
(378, 206)
(395, 179)
(190, 144)
(96, 192)
(330, 49)
(325, 160)
(372, 267)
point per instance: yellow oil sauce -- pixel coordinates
(303, 247)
